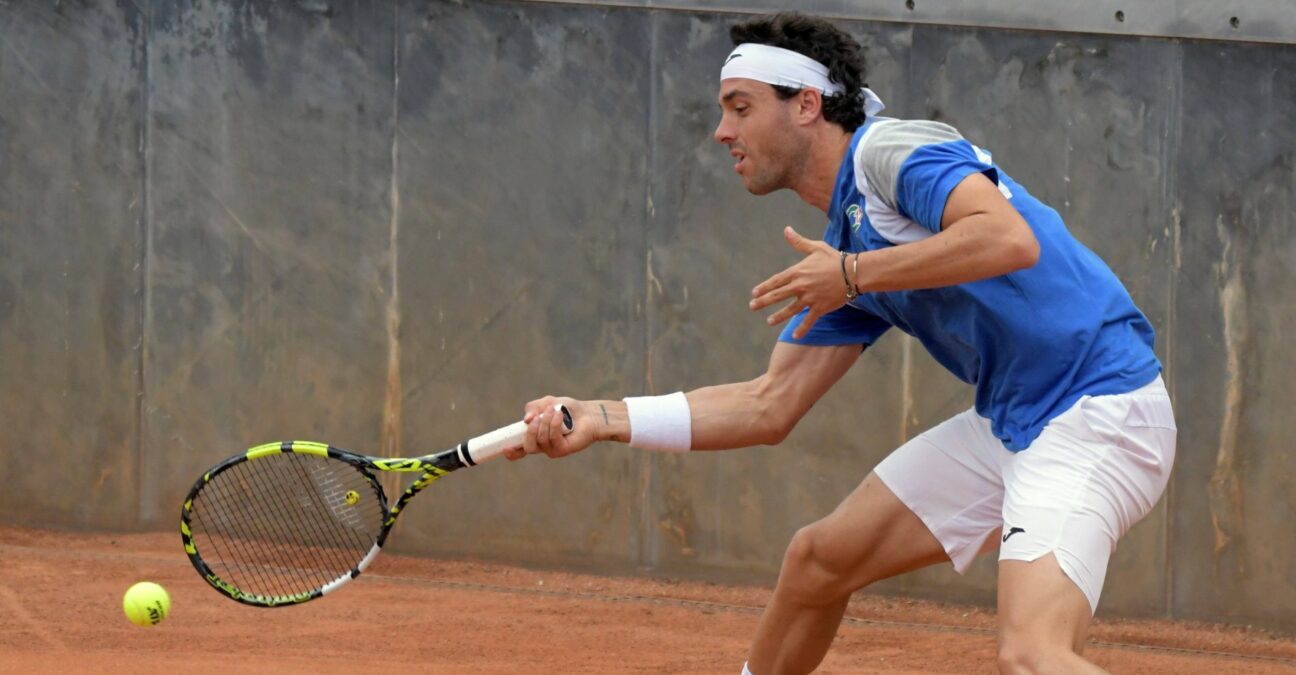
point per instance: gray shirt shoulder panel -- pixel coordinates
(887, 145)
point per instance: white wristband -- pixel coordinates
(661, 423)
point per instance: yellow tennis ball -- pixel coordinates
(146, 604)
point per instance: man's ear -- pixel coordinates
(809, 105)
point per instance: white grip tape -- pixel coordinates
(491, 444)
(662, 423)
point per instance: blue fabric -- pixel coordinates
(1032, 342)
(846, 326)
(930, 174)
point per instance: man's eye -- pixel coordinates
(740, 109)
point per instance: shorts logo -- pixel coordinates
(1011, 532)
(856, 215)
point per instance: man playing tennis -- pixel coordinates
(1072, 436)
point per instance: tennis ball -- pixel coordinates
(146, 604)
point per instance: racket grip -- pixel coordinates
(490, 445)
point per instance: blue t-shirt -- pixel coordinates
(1032, 341)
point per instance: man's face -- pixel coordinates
(761, 134)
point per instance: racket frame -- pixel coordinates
(468, 453)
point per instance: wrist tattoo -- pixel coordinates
(605, 417)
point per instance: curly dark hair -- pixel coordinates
(823, 42)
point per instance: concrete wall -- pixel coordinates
(387, 225)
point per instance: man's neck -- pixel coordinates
(819, 178)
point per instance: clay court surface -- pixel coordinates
(60, 596)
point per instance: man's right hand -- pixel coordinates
(545, 431)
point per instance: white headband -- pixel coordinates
(786, 68)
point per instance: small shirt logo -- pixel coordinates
(856, 215)
(1011, 532)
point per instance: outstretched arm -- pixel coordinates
(757, 412)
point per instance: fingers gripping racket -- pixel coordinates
(289, 522)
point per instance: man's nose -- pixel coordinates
(724, 133)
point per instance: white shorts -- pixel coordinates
(1094, 471)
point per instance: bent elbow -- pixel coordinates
(1025, 248)
(775, 432)
(1028, 253)
(776, 419)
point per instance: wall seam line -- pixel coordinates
(390, 433)
(647, 552)
(143, 510)
(921, 19)
(1174, 135)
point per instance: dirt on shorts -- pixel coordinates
(60, 596)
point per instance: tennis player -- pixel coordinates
(1072, 436)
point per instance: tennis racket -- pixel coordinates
(285, 523)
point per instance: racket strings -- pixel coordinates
(286, 524)
(285, 555)
(330, 503)
(334, 492)
(247, 541)
(284, 532)
(227, 549)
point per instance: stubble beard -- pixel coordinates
(781, 165)
(767, 181)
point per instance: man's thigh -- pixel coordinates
(1096, 470)
(1041, 606)
(870, 536)
(951, 478)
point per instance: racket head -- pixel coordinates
(284, 523)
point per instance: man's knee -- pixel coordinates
(1022, 655)
(814, 573)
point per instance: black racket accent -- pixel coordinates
(463, 453)
(277, 528)
(450, 460)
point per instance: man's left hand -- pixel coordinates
(815, 283)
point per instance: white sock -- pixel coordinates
(746, 670)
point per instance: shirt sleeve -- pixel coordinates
(912, 166)
(845, 326)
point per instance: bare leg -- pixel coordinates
(870, 536)
(1043, 619)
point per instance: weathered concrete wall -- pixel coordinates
(1233, 503)
(521, 246)
(269, 147)
(72, 193)
(387, 225)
